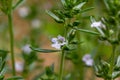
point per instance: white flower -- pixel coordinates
(58, 42)
(36, 23)
(98, 24)
(23, 11)
(26, 49)
(19, 66)
(87, 60)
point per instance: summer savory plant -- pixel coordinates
(107, 30)
(67, 42)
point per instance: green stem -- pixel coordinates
(61, 65)
(112, 60)
(10, 21)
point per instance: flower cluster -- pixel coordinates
(58, 42)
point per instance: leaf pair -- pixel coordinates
(44, 50)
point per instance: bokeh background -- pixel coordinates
(32, 25)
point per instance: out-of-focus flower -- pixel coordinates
(98, 24)
(26, 49)
(36, 23)
(23, 12)
(87, 60)
(19, 66)
(58, 42)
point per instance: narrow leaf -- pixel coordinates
(79, 6)
(44, 50)
(74, 1)
(87, 31)
(85, 10)
(3, 71)
(2, 66)
(106, 4)
(18, 3)
(118, 62)
(64, 2)
(92, 19)
(15, 78)
(54, 16)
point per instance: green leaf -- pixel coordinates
(87, 9)
(92, 19)
(87, 31)
(44, 50)
(2, 77)
(55, 17)
(15, 78)
(49, 74)
(18, 3)
(74, 1)
(117, 66)
(68, 76)
(3, 54)
(79, 6)
(64, 2)
(50, 70)
(3, 72)
(106, 4)
(118, 61)
(115, 74)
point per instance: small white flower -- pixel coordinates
(87, 60)
(36, 23)
(19, 66)
(23, 11)
(58, 42)
(56, 45)
(54, 40)
(98, 24)
(26, 49)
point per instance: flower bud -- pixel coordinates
(71, 35)
(111, 32)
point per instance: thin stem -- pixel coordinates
(112, 59)
(10, 21)
(61, 65)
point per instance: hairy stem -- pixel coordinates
(10, 22)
